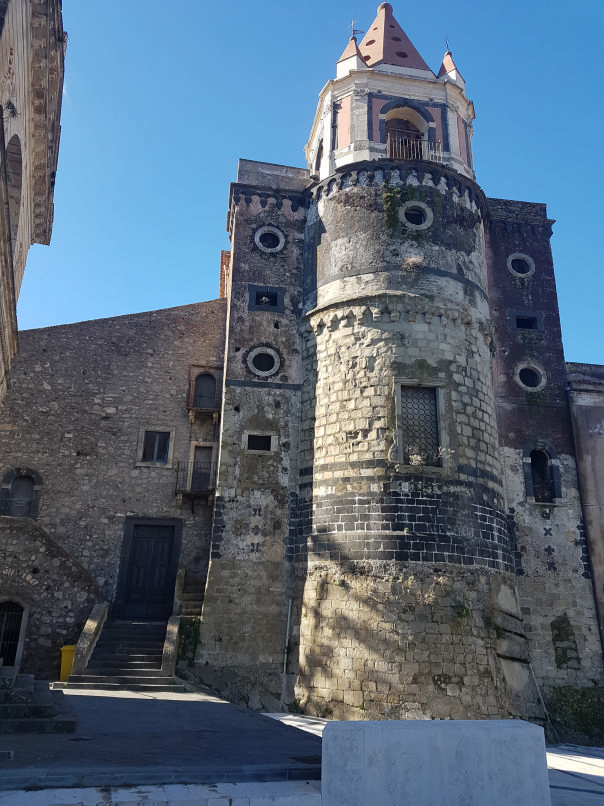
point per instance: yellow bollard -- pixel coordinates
(67, 653)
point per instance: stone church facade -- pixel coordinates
(360, 471)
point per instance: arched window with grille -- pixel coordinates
(204, 395)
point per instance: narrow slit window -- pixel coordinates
(542, 477)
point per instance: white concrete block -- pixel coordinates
(473, 763)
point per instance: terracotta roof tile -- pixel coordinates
(386, 43)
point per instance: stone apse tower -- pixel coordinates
(363, 564)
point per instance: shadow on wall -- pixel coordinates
(55, 594)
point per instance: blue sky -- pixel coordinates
(161, 99)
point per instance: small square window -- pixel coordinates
(155, 447)
(258, 442)
(527, 323)
(266, 298)
(525, 320)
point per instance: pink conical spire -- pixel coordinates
(449, 72)
(448, 66)
(352, 49)
(386, 43)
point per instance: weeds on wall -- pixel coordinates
(189, 633)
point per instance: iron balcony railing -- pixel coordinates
(195, 477)
(400, 146)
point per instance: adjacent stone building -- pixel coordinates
(359, 470)
(32, 52)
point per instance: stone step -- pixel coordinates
(118, 657)
(135, 627)
(135, 661)
(25, 711)
(101, 658)
(122, 680)
(130, 644)
(121, 671)
(49, 725)
(110, 684)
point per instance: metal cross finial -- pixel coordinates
(355, 31)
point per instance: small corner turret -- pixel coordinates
(386, 103)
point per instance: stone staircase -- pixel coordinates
(191, 598)
(28, 707)
(127, 657)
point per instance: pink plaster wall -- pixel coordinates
(376, 108)
(462, 139)
(435, 112)
(344, 122)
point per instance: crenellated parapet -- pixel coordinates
(395, 174)
(394, 311)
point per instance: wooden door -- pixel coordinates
(202, 469)
(151, 573)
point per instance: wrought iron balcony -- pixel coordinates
(195, 478)
(400, 146)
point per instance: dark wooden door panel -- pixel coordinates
(151, 573)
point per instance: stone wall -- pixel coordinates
(586, 383)
(58, 592)
(249, 590)
(551, 554)
(32, 49)
(412, 642)
(409, 608)
(81, 397)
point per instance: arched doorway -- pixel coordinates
(20, 497)
(11, 619)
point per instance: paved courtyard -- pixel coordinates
(195, 748)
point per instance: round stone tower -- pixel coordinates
(408, 601)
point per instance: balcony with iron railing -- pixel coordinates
(195, 478)
(401, 146)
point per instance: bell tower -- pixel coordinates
(404, 548)
(385, 102)
(383, 502)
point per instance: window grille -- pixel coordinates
(419, 418)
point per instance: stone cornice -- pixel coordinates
(392, 173)
(267, 196)
(393, 307)
(48, 42)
